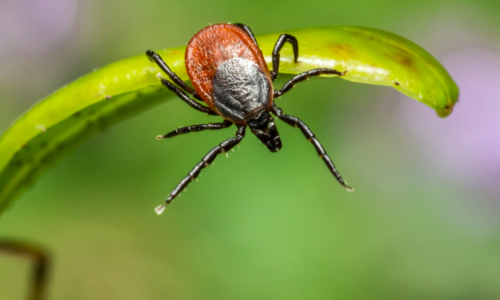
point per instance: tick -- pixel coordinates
(229, 74)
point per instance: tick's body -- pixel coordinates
(229, 73)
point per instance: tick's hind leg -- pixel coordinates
(205, 162)
(41, 264)
(304, 76)
(247, 30)
(159, 61)
(296, 122)
(284, 38)
(186, 98)
(197, 127)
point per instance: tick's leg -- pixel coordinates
(159, 61)
(247, 30)
(296, 122)
(284, 38)
(186, 98)
(205, 162)
(197, 127)
(41, 262)
(304, 76)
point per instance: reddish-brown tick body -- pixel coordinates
(224, 59)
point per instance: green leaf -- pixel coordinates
(125, 88)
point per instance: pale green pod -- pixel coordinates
(125, 88)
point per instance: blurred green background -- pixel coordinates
(422, 224)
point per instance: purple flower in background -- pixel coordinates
(35, 36)
(466, 145)
(34, 25)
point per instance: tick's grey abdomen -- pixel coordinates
(240, 90)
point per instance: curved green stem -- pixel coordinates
(98, 100)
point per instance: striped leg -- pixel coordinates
(303, 76)
(205, 162)
(284, 38)
(197, 127)
(296, 122)
(159, 61)
(247, 30)
(186, 98)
